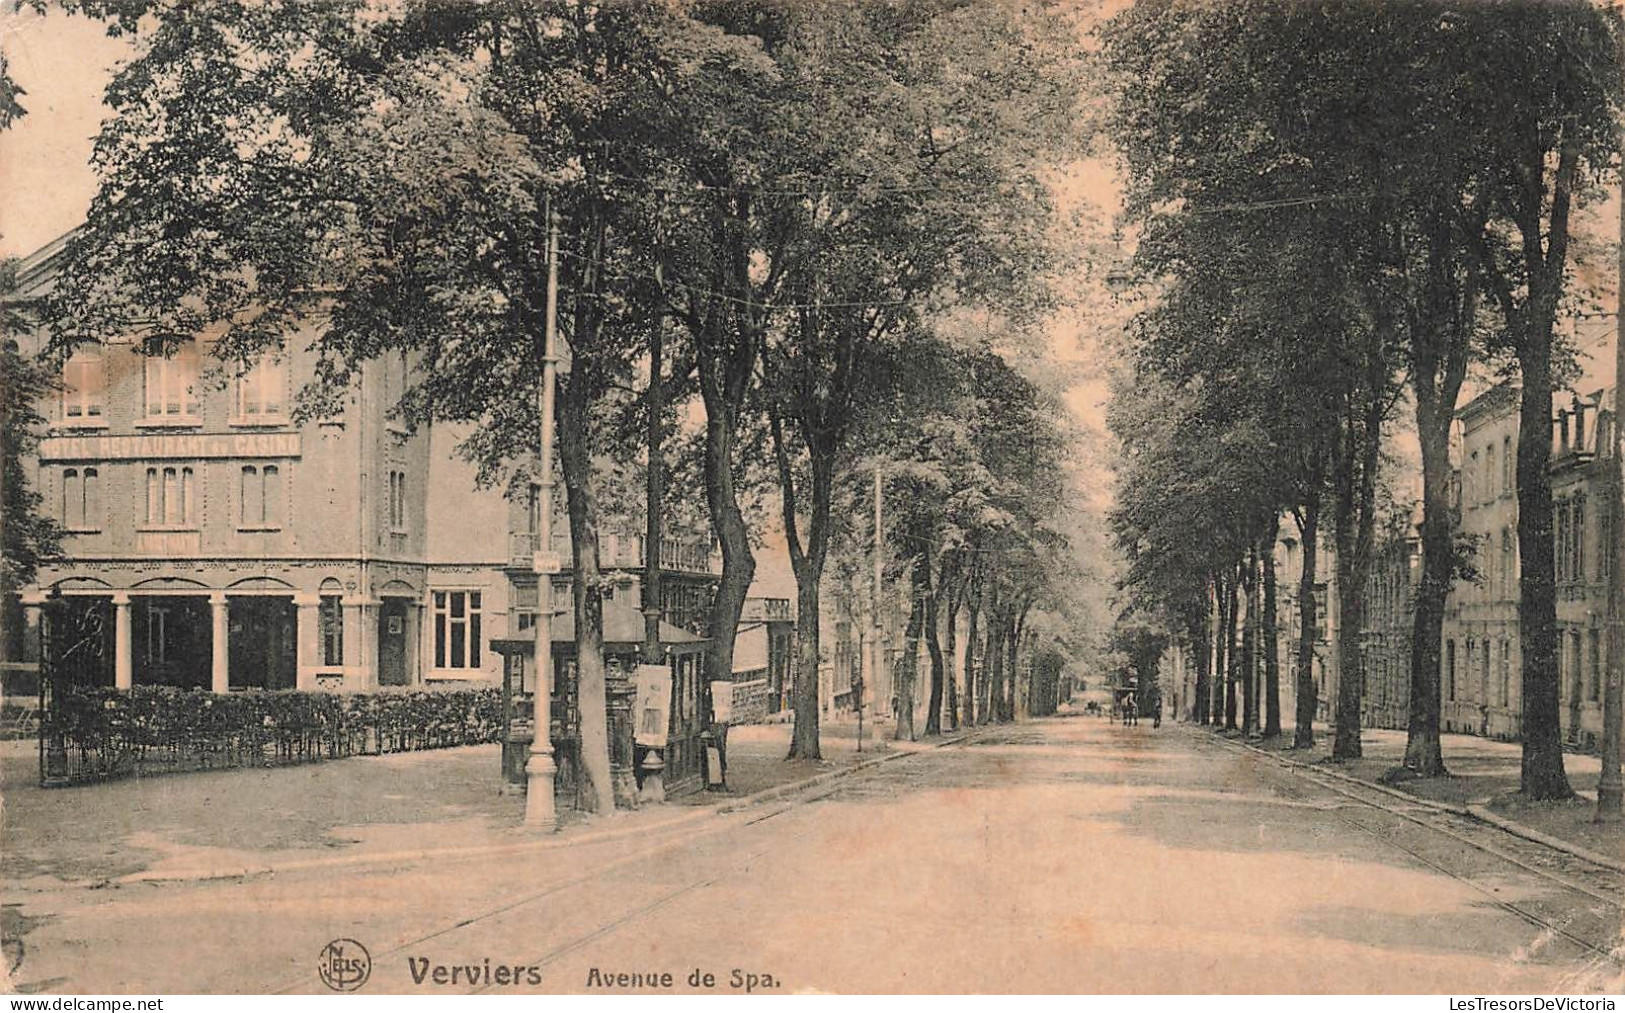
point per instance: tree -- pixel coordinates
(27, 536)
(404, 163)
(1536, 159)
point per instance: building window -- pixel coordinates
(1509, 464)
(260, 390)
(1605, 545)
(1577, 551)
(1506, 672)
(171, 498)
(330, 625)
(1508, 568)
(456, 629)
(84, 381)
(1475, 480)
(1594, 676)
(260, 499)
(1489, 473)
(171, 380)
(397, 501)
(1560, 540)
(81, 499)
(1450, 670)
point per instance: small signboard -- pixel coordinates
(722, 702)
(653, 706)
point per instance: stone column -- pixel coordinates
(220, 656)
(123, 659)
(306, 637)
(361, 630)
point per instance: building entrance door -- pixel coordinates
(262, 646)
(392, 643)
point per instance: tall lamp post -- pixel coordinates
(540, 768)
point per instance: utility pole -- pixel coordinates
(539, 770)
(1610, 788)
(654, 787)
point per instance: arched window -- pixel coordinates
(260, 497)
(81, 502)
(171, 497)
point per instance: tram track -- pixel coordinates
(1598, 884)
(732, 820)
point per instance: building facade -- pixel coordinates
(214, 541)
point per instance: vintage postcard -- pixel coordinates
(762, 498)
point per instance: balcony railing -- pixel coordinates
(617, 551)
(767, 610)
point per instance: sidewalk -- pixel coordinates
(399, 806)
(1484, 775)
(756, 756)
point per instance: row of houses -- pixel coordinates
(1480, 651)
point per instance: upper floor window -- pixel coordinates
(1474, 480)
(397, 501)
(1509, 567)
(260, 390)
(260, 501)
(1577, 550)
(1489, 473)
(81, 499)
(171, 498)
(1509, 464)
(171, 382)
(84, 383)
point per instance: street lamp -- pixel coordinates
(539, 770)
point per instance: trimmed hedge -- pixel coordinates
(160, 729)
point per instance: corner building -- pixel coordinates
(213, 542)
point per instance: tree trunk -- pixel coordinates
(1230, 646)
(587, 591)
(1221, 650)
(933, 715)
(722, 390)
(971, 631)
(993, 661)
(951, 650)
(1303, 735)
(1543, 773)
(804, 739)
(1271, 638)
(1249, 647)
(908, 666)
(1423, 751)
(1201, 641)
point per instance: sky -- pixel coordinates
(63, 63)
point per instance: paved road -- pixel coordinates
(1065, 855)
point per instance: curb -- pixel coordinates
(1472, 810)
(555, 843)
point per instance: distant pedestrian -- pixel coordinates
(1156, 708)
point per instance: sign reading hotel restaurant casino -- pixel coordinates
(159, 445)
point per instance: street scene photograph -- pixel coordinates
(795, 497)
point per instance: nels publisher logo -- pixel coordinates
(345, 965)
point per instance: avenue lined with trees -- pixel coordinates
(1342, 209)
(826, 233)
